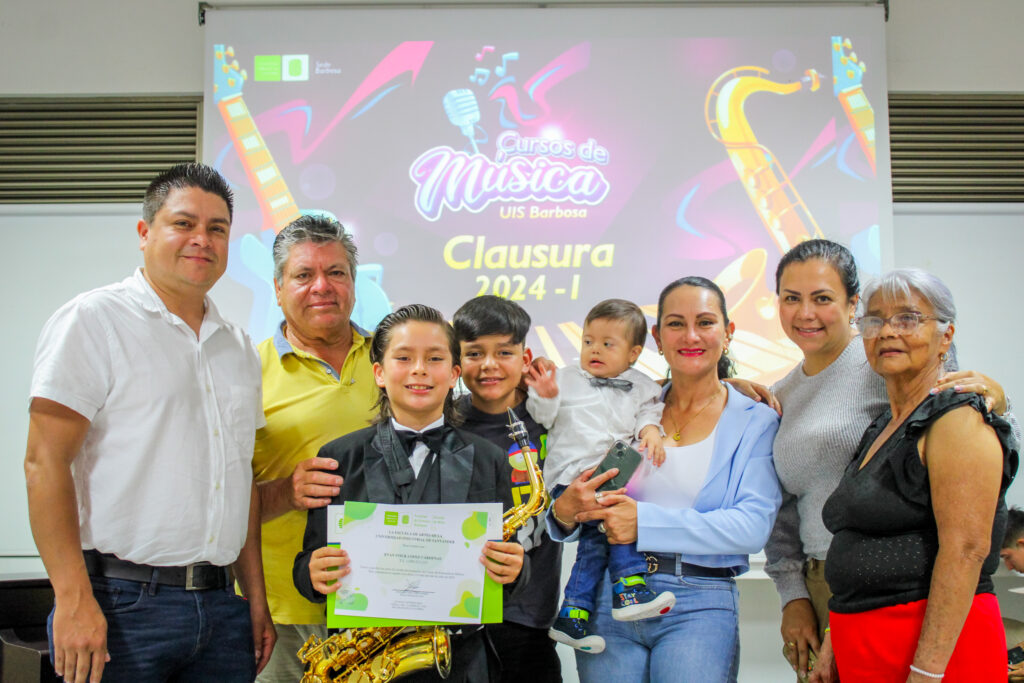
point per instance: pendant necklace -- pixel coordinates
(677, 435)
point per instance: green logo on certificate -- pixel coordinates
(390, 519)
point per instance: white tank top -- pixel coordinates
(679, 480)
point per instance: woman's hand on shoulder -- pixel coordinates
(968, 381)
(756, 392)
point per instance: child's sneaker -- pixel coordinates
(632, 600)
(571, 628)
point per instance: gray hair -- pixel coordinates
(316, 229)
(898, 284)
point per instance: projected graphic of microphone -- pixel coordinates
(463, 111)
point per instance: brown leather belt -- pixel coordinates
(194, 577)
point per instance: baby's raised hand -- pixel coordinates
(542, 380)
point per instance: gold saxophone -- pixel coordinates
(386, 653)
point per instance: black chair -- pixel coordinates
(25, 602)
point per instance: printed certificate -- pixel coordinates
(415, 564)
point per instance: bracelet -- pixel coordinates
(926, 674)
(564, 524)
(828, 629)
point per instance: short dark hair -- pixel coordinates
(1014, 527)
(490, 314)
(625, 311)
(180, 177)
(315, 229)
(832, 253)
(725, 364)
(382, 339)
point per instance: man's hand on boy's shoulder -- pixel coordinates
(541, 377)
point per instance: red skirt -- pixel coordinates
(879, 645)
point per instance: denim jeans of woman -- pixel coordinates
(697, 642)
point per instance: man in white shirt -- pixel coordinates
(145, 403)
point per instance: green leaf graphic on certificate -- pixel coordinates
(475, 525)
(354, 601)
(360, 511)
(468, 607)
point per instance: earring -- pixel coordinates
(660, 352)
(943, 356)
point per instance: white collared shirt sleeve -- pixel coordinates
(72, 363)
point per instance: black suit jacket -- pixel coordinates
(376, 469)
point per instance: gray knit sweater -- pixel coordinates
(823, 419)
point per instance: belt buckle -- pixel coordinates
(189, 575)
(652, 563)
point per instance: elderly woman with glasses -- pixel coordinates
(918, 516)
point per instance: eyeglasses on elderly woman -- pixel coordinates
(870, 326)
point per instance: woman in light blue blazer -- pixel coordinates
(697, 517)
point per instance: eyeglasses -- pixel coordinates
(870, 326)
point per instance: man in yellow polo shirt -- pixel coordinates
(317, 386)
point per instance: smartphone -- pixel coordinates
(1015, 655)
(625, 458)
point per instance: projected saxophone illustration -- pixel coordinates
(775, 199)
(777, 203)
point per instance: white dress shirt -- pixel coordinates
(164, 474)
(420, 451)
(584, 421)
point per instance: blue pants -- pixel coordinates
(164, 633)
(697, 642)
(593, 555)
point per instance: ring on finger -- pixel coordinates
(598, 495)
(602, 528)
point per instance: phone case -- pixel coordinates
(625, 458)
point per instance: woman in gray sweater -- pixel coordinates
(827, 401)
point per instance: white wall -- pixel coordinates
(155, 47)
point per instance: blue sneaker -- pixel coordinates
(571, 628)
(632, 600)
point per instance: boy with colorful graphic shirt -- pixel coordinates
(587, 408)
(492, 334)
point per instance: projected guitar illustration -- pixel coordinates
(278, 208)
(847, 76)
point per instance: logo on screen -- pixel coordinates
(281, 68)
(295, 67)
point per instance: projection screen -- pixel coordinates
(556, 157)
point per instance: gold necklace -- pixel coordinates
(677, 436)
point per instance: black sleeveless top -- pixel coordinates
(885, 539)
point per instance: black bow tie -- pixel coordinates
(432, 438)
(623, 384)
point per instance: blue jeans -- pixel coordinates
(593, 554)
(697, 642)
(164, 633)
